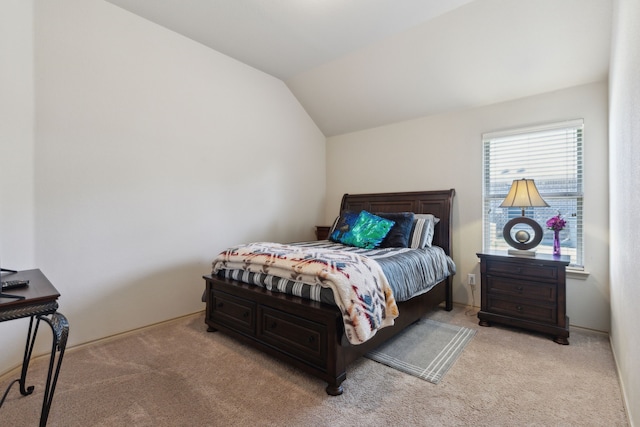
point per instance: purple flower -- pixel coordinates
(556, 223)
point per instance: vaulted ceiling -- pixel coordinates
(357, 64)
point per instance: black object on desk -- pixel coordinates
(12, 284)
(39, 302)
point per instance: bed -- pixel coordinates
(309, 334)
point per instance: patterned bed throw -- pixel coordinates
(359, 286)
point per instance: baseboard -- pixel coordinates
(625, 400)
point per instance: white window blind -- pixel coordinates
(552, 156)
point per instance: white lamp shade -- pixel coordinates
(523, 194)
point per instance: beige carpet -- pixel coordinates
(177, 374)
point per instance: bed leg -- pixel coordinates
(211, 329)
(449, 297)
(334, 390)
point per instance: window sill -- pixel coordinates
(575, 273)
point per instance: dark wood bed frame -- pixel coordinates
(308, 334)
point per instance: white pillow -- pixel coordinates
(422, 231)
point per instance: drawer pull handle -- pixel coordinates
(519, 288)
(220, 305)
(519, 307)
(245, 314)
(273, 325)
(311, 339)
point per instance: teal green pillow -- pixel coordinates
(368, 231)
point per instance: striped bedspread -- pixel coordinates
(410, 272)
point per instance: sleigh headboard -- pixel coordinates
(438, 203)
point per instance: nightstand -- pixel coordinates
(525, 292)
(322, 232)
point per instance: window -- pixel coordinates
(552, 156)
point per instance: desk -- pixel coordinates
(40, 304)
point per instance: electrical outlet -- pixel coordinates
(471, 279)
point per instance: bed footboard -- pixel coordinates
(302, 333)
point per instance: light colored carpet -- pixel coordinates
(426, 349)
(177, 374)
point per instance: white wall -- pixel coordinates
(152, 154)
(16, 155)
(445, 151)
(625, 199)
(16, 134)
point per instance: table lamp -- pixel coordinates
(523, 194)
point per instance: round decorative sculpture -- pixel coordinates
(522, 236)
(523, 239)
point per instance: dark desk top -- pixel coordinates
(39, 291)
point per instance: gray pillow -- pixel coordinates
(422, 231)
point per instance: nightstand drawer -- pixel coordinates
(522, 310)
(530, 270)
(539, 291)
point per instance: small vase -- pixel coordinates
(556, 242)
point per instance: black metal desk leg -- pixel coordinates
(60, 329)
(28, 350)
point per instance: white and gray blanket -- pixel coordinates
(359, 285)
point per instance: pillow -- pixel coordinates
(343, 223)
(422, 231)
(367, 232)
(399, 235)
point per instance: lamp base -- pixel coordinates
(522, 248)
(518, 252)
